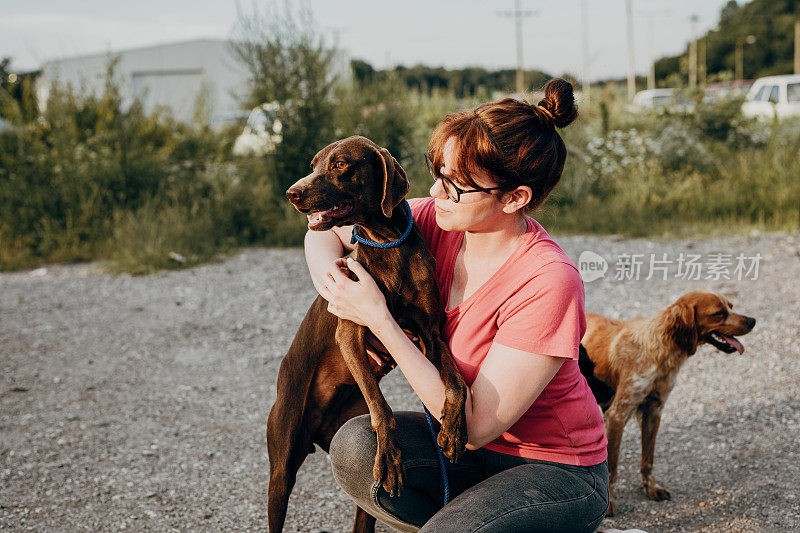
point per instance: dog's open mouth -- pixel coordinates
(319, 219)
(726, 343)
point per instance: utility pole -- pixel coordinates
(797, 46)
(737, 61)
(651, 31)
(693, 52)
(703, 43)
(518, 14)
(631, 62)
(587, 86)
(651, 72)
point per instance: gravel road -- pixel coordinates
(139, 403)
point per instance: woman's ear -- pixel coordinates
(516, 199)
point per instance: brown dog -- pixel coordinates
(327, 377)
(640, 358)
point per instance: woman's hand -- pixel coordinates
(359, 301)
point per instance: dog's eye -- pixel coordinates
(719, 313)
(339, 165)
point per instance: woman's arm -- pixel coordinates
(324, 247)
(507, 384)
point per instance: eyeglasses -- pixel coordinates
(453, 192)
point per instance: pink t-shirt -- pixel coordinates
(534, 303)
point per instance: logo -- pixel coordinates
(592, 266)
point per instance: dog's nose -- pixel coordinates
(750, 322)
(294, 194)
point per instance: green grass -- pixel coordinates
(93, 181)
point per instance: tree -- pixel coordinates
(728, 10)
(289, 62)
(17, 96)
(362, 71)
(464, 83)
(770, 21)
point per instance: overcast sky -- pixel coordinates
(451, 33)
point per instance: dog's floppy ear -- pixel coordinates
(682, 327)
(395, 183)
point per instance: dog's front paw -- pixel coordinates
(452, 438)
(656, 492)
(389, 469)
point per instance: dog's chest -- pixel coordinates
(641, 382)
(654, 382)
(407, 280)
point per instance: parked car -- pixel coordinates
(262, 132)
(773, 96)
(717, 92)
(660, 100)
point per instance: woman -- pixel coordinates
(536, 454)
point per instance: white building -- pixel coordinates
(170, 75)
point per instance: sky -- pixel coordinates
(449, 33)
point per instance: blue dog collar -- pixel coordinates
(357, 238)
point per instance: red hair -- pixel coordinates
(514, 141)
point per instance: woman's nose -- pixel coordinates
(437, 190)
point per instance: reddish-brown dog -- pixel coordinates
(640, 358)
(327, 377)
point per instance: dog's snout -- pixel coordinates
(751, 322)
(294, 194)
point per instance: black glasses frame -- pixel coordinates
(448, 182)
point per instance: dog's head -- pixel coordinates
(352, 181)
(706, 317)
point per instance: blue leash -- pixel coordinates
(441, 457)
(357, 238)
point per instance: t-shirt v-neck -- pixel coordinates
(449, 269)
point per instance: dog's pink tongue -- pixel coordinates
(315, 219)
(735, 343)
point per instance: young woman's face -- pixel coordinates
(476, 211)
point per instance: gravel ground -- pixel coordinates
(140, 403)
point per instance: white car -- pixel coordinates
(773, 96)
(723, 90)
(659, 100)
(262, 133)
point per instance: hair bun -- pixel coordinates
(559, 101)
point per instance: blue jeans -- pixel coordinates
(489, 491)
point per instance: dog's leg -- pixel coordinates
(616, 417)
(365, 522)
(651, 418)
(287, 446)
(288, 432)
(452, 436)
(388, 466)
